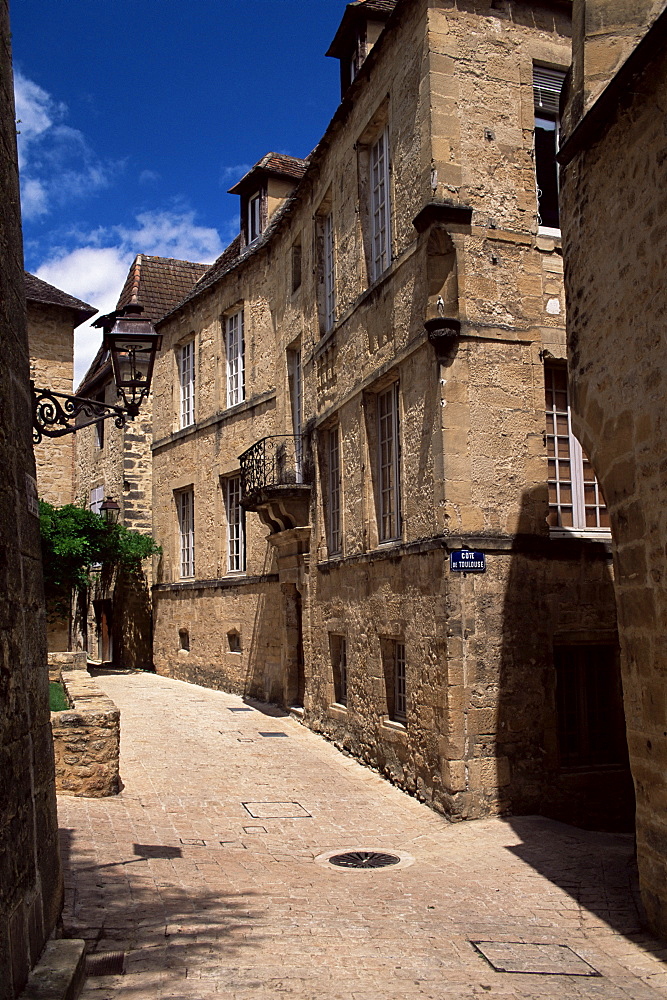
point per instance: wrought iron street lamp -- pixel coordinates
(110, 510)
(133, 344)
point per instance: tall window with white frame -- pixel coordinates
(235, 526)
(575, 497)
(400, 713)
(96, 498)
(295, 385)
(547, 86)
(185, 502)
(380, 210)
(329, 267)
(235, 359)
(186, 373)
(254, 217)
(389, 500)
(334, 533)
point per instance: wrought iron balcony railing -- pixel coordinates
(274, 461)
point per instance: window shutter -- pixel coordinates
(547, 85)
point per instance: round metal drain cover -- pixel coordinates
(363, 859)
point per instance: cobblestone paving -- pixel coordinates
(207, 897)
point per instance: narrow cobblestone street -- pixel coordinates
(205, 872)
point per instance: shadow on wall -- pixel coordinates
(560, 712)
(264, 671)
(117, 902)
(133, 621)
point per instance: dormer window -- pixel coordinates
(359, 30)
(263, 191)
(254, 217)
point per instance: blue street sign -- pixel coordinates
(465, 561)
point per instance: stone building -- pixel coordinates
(30, 874)
(114, 462)
(371, 505)
(616, 247)
(53, 315)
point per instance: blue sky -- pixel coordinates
(137, 115)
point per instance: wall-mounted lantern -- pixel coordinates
(110, 510)
(133, 344)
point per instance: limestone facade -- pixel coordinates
(30, 873)
(400, 317)
(613, 226)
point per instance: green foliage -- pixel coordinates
(57, 697)
(74, 539)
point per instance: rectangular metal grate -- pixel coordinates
(533, 959)
(109, 963)
(273, 734)
(276, 810)
(241, 710)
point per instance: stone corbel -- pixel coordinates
(443, 335)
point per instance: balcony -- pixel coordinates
(276, 480)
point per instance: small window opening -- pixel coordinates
(234, 641)
(338, 649)
(184, 639)
(296, 266)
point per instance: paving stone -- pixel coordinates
(222, 912)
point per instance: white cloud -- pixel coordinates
(56, 163)
(149, 177)
(229, 176)
(96, 271)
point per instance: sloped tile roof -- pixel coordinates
(158, 283)
(45, 294)
(277, 164)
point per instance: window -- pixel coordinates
(234, 641)
(589, 699)
(254, 217)
(235, 526)
(547, 85)
(99, 426)
(186, 523)
(296, 266)
(329, 274)
(334, 536)
(235, 359)
(389, 513)
(96, 498)
(295, 384)
(186, 371)
(184, 640)
(575, 497)
(393, 660)
(338, 649)
(380, 210)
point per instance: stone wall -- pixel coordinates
(86, 739)
(452, 84)
(616, 242)
(30, 874)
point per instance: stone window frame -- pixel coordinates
(547, 86)
(234, 334)
(388, 471)
(185, 513)
(185, 363)
(578, 496)
(296, 264)
(236, 526)
(376, 198)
